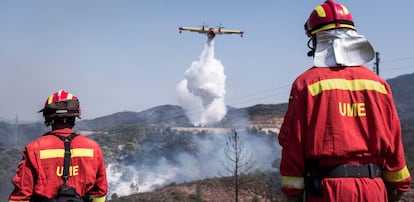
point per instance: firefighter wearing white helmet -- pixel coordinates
(341, 135)
(41, 173)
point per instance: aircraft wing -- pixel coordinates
(229, 31)
(193, 29)
(210, 31)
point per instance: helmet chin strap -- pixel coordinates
(311, 53)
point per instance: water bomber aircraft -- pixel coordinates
(211, 32)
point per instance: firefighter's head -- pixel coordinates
(61, 108)
(327, 16)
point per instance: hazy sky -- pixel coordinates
(122, 55)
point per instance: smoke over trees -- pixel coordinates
(167, 156)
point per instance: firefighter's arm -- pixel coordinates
(396, 176)
(23, 180)
(100, 189)
(292, 162)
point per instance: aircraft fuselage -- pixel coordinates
(211, 34)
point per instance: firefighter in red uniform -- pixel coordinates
(38, 175)
(341, 135)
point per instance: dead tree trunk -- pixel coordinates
(238, 161)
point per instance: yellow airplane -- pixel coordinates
(210, 31)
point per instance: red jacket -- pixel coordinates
(40, 170)
(341, 116)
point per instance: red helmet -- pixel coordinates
(61, 104)
(329, 15)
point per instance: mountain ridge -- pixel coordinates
(174, 115)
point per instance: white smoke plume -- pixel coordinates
(186, 167)
(201, 92)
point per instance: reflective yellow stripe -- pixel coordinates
(60, 153)
(293, 182)
(343, 84)
(50, 100)
(70, 96)
(52, 153)
(396, 176)
(332, 26)
(320, 11)
(81, 152)
(98, 198)
(346, 11)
